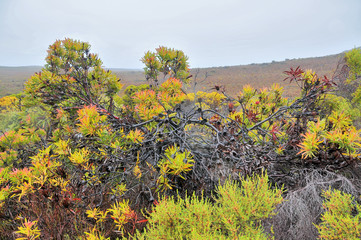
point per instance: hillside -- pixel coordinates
(12, 79)
(258, 75)
(264, 75)
(231, 77)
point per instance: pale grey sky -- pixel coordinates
(211, 33)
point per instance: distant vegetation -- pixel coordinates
(80, 158)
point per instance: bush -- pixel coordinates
(353, 59)
(237, 213)
(339, 220)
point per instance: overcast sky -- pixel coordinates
(211, 33)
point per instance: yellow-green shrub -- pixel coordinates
(150, 103)
(174, 163)
(338, 221)
(340, 104)
(353, 59)
(169, 62)
(336, 133)
(212, 100)
(236, 213)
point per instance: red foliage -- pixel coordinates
(293, 74)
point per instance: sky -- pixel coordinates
(211, 33)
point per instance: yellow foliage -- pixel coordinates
(94, 235)
(212, 100)
(80, 157)
(90, 176)
(310, 76)
(135, 136)
(119, 189)
(29, 230)
(338, 131)
(174, 163)
(340, 120)
(8, 157)
(91, 122)
(150, 103)
(97, 214)
(338, 221)
(136, 170)
(9, 103)
(13, 139)
(309, 145)
(121, 213)
(62, 147)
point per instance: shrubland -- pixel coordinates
(79, 161)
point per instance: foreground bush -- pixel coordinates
(339, 220)
(236, 213)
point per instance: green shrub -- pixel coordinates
(353, 59)
(340, 104)
(127, 99)
(338, 221)
(168, 62)
(8, 121)
(236, 214)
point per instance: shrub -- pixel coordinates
(325, 137)
(339, 220)
(167, 61)
(236, 213)
(353, 59)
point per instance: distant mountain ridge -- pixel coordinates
(259, 75)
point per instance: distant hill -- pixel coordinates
(233, 78)
(264, 75)
(12, 79)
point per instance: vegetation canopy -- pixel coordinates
(78, 160)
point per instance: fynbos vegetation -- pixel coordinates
(79, 161)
